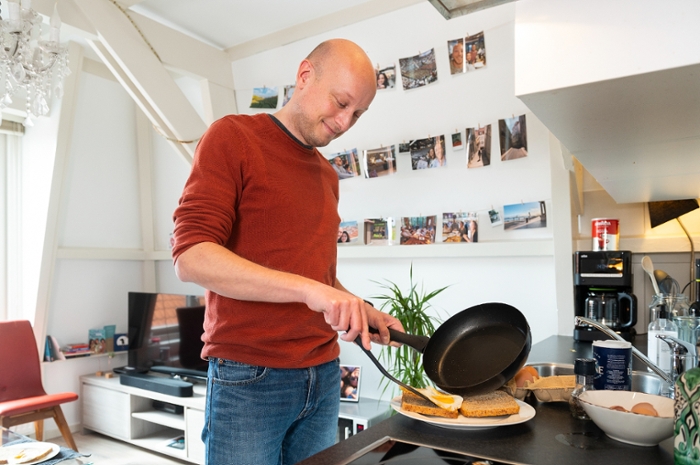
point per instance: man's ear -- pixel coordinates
(304, 74)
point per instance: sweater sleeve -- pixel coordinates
(207, 208)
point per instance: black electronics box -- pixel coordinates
(171, 387)
(168, 407)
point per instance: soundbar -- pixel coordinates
(171, 387)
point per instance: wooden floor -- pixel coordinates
(107, 451)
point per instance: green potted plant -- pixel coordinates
(410, 309)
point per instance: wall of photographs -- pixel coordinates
(447, 154)
(457, 114)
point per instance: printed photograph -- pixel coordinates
(405, 147)
(479, 146)
(288, 91)
(457, 141)
(380, 162)
(346, 164)
(428, 153)
(512, 134)
(386, 77)
(418, 230)
(474, 52)
(419, 70)
(350, 383)
(529, 215)
(495, 217)
(460, 227)
(455, 50)
(379, 231)
(264, 97)
(348, 232)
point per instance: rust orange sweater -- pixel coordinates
(260, 193)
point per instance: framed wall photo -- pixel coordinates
(350, 383)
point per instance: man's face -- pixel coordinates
(458, 54)
(332, 103)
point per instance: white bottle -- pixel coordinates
(657, 350)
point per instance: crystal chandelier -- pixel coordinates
(26, 61)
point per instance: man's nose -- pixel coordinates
(344, 120)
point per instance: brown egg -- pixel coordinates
(618, 408)
(645, 408)
(527, 374)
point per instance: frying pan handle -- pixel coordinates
(416, 342)
(358, 341)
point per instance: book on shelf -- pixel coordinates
(52, 350)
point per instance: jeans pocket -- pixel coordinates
(230, 373)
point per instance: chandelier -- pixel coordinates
(26, 61)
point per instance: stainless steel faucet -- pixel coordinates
(579, 320)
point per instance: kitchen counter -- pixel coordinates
(553, 436)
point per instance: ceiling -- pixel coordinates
(227, 23)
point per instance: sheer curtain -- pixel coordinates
(11, 211)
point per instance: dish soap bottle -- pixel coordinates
(686, 430)
(584, 369)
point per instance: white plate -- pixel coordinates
(527, 412)
(55, 449)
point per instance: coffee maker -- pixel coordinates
(603, 292)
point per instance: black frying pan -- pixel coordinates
(475, 351)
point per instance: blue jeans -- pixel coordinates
(267, 416)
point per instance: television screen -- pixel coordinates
(165, 333)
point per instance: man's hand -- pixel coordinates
(342, 311)
(381, 321)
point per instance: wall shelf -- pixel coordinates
(531, 248)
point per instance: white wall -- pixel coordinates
(451, 104)
(562, 44)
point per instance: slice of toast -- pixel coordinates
(493, 404)
(412, 403)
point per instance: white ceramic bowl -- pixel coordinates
(632, 428)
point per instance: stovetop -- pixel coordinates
(389, 451)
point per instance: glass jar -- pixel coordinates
(584, 369)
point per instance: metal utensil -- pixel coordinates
(358, 341)
(648, 266)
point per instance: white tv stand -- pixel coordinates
(127, 413)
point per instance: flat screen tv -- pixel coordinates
(165, 334)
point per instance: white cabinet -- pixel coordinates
(127, 413)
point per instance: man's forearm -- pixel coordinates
(225, 273)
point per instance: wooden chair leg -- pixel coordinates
(39, 430)
(63, 427)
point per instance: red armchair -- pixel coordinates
(22, 395)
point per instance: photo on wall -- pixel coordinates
(418, 230)
(457, 143)
(460, 227)
(475, 52)
(379, 231)
(419, 70)
(512, 134)
(380, 162)
(350, 383)
(348, 232)
(264, 97)
(288, 91)
(528, 215)
(346, 164)
(455, 50)
(479, 146)
(386, 77)
(495, 217)
(428, 153)
(405, 147)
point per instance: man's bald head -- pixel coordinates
(335, 85)
(331, 52)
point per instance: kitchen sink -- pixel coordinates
(641, 381)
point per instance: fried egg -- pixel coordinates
(447, 401)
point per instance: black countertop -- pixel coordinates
(553, 436)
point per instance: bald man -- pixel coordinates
(257, 227)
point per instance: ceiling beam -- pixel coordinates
(351, 15)
(178, 52)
